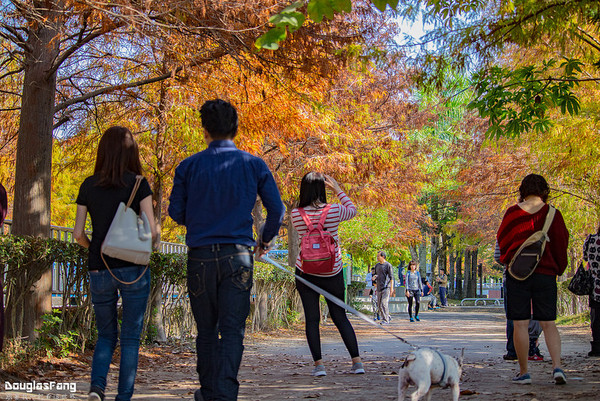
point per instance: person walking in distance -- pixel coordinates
(115, 175)
(414, 290)
(372, 278)
(442, 280)
(385, 283)
(214, 192)
(314, 209)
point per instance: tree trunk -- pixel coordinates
(459, 275)
(156, 309)
(33, 170)
(480, 274)
(435, 246)
(473, 277)
(259, 219)
(451, 272)
(468, 273)
(423, 257)
(443, 254)
(414, 254)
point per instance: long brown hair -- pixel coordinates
(117, 153)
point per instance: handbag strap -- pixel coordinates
(118, 279)
(136, 186)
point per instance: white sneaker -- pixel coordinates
(358, 368)
(93, 396)
(319, 370)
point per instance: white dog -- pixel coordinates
(426, 367)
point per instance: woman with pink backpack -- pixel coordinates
(320, 262)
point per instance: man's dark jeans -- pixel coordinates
(219, 279)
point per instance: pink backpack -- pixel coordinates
(317, 248)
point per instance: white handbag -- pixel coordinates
(129, 236)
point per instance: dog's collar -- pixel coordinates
(443, 383)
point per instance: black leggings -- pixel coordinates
(417, 297)
(310, 302)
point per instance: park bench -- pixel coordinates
(482, 301)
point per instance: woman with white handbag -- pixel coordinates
(117, 179)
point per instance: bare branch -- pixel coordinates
(82, 41)
(11, 73)
(197, 61)
(113, 88)
(16, 37)
(10, 93)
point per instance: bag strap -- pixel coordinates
(322, 219)
(324, 216)
(305, 218)
(548, 222)
(119, 280)
(136, 186)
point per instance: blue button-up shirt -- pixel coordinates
(214, 192)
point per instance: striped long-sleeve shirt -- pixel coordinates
(338, 213)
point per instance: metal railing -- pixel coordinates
(59, 273)
(66, 234)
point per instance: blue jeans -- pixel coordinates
(105, 294)
(219, 279)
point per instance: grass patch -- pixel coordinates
(581, 318)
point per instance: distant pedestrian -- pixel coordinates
(591, 253)
(401, 274)
(414, 290)
(373, 294)
(385, 284)
(442, 281)
(539, 291)
(313, 202)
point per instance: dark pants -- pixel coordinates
(310, 303)
(595, 323)
(417, 297)
(1, 311)
(219, 279)
(443, 296)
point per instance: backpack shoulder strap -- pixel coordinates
(549, 219)
(304, 216)
(324, 216)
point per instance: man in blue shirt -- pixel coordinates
(214, 192)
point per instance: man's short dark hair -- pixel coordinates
(382, 254)
(219, 119)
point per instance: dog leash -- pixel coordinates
(336, 300)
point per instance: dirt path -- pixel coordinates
(276, 366)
